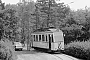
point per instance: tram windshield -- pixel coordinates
(58, 36)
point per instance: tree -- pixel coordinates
(2, 5)
(12, 6)
(51, 12)
(70, 19)
(9, 24)
(1, 28)
(36, 18)
(45, 8)
(25, 10)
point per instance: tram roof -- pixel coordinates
(46, 31)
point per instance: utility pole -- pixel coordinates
(49, 6)
(37, 16)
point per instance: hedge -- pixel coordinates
(7, 51)
(78, 49)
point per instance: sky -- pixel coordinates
(77, 4)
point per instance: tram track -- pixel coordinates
(64, 57)
(42, 54)
(58, 57)
(52, 54)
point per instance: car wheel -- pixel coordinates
(15, 48)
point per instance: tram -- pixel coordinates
(48, 38)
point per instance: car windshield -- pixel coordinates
(17, 43)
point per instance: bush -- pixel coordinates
(6, 51)
(78, 49)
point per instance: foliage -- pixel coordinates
(8, 30)
(9, 21)
(45, 13)
(11, 6)
(51, 13)
(24, 12)
(2, 5)
(1, 28)
(70, 20)
(72, 33)
(78, 49)
(6, 50)
(76, 26)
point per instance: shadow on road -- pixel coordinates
(33, 51)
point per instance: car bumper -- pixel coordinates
(18, 47)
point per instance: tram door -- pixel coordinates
(49, 36)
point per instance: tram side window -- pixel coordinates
(36, 37)
(42, 37)
(39, 37)
(46, 38)
(49, 37)
(52, 38)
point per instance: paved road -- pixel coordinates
(38, 55)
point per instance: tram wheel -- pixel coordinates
(49, 51)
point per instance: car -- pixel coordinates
(18, 45)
